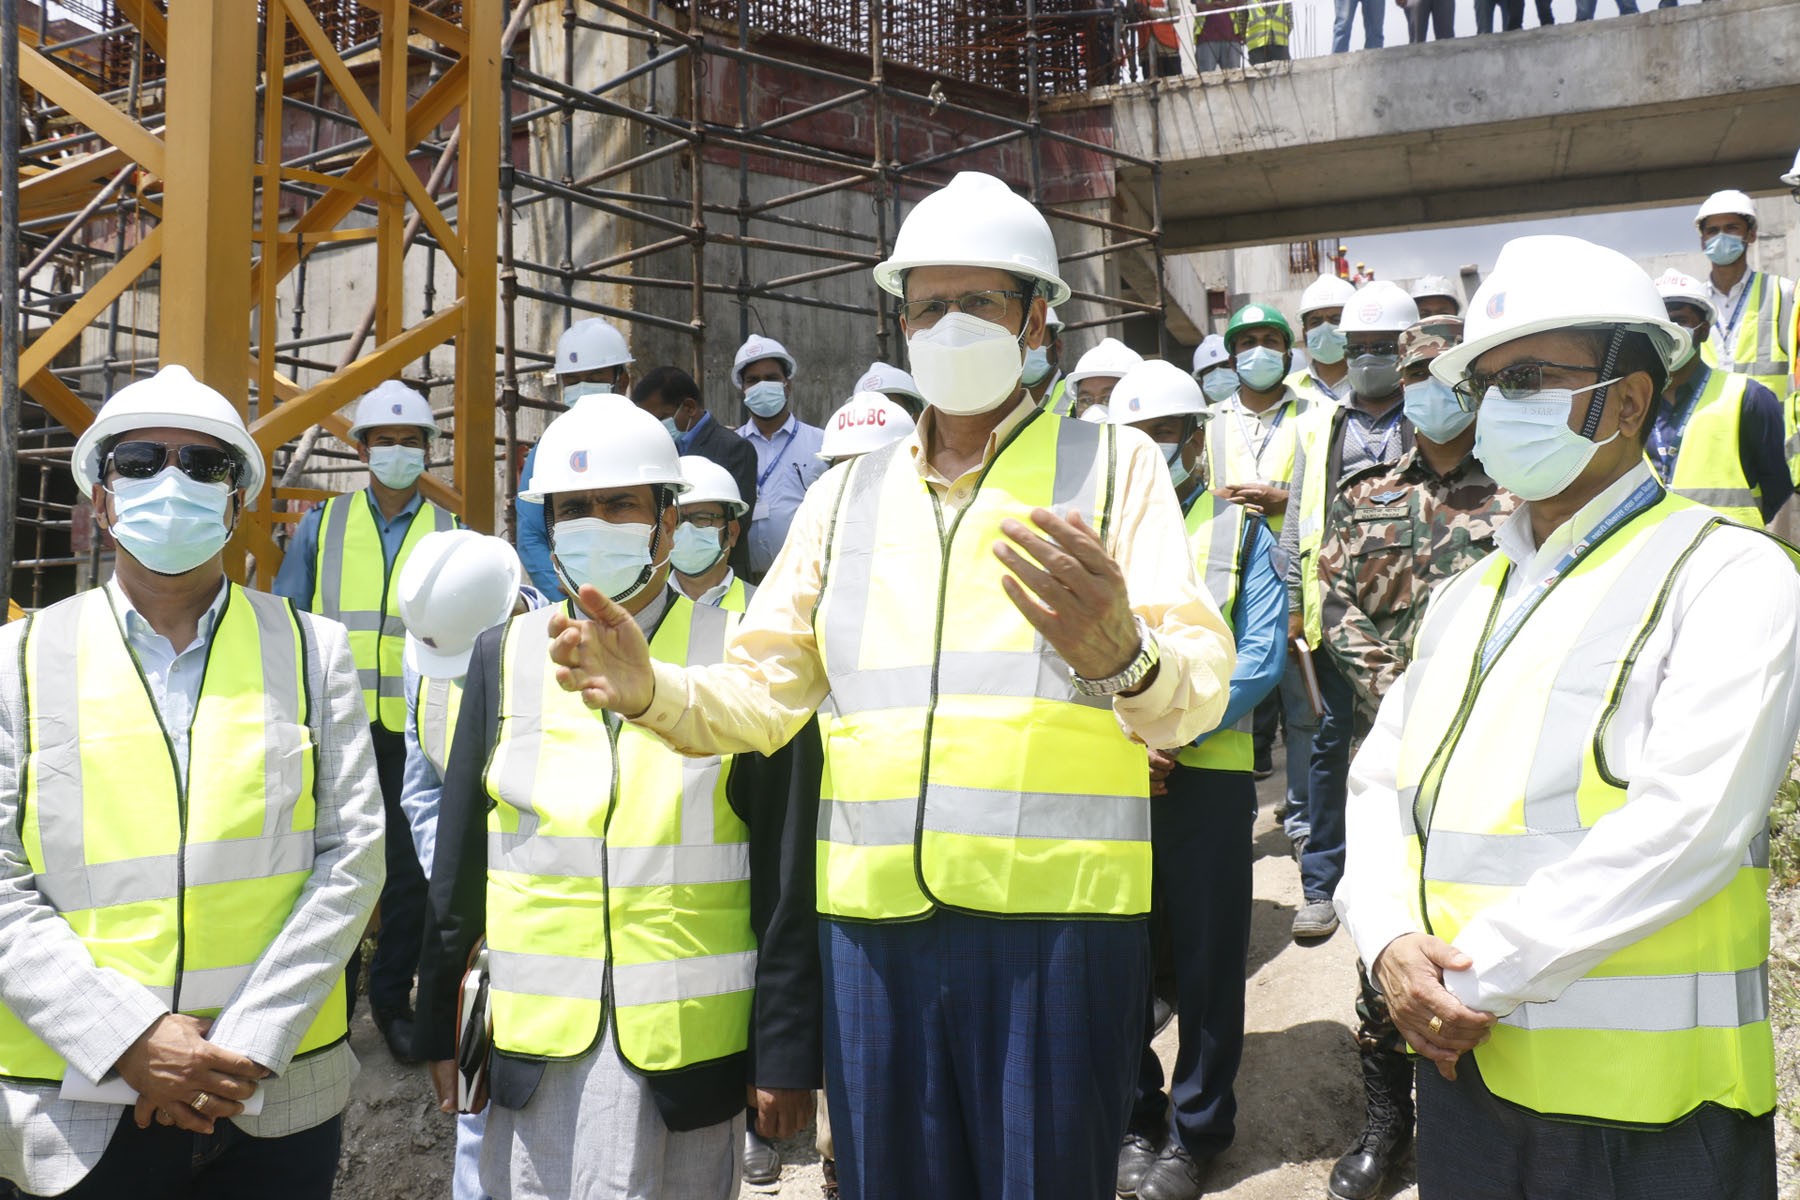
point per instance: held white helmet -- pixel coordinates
(1154, 390)
(591, 345)
(1210, 353)
(1729, 202)
(1552, 281)
(709, 483)
(975, 220)
(1110, 358)
(1792, 178)
(1379, 307)
(604, 441)
(171, 399)
(1327, 291)
(868, 421)
(889, 381)
(1673, 285)
(1053, 324)
(456, 584)
(756, 349)
(1434, 285)
(393, 403)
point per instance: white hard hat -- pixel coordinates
(603, 441)
(1327, 291)
(1094, 414)
(757, 349)
(1053, 324)
(1434, 285)
(1792, 178)
(393, 403)
(456, 584)
(1552, 281)
(709, 483)
(1379, 307)
(591, 345)
(1154, 390)
(1210, 353)
(889, 381)
(1673, 285)
(1728, 202)
(975, 220)
(1110, 357)
(867, 422)
(172, 399)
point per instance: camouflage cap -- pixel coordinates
(1428, 339)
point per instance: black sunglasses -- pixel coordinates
(203, 464)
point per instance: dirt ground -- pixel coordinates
(1300, 1103)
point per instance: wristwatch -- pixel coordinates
(1135, 672)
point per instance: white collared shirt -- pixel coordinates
(174, 677)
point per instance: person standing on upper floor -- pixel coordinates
(1584, 9)
(1095, 375)
(1436, 296)
(1344, 16)
(1753, 311)
(1213, 369)
(1512, 17)
(341, 563)
(1218, 44)
(1043, 367)
(1716, 437)
(671, 396)
(1559, 845)
(592, 359)
(1265, 26)
(1431, 16)
(897, 386)
(711, 523)
(1370, 428)
(786, 447)
(1321, 312)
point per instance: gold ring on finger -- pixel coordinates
(1436, 1025)
(200, 1102)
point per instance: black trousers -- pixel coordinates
(396, 957)
(165, 1163)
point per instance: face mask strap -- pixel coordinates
(1590, 424)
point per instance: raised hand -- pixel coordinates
(605, 657)
(1071, 591)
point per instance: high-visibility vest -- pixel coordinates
(1677, 1018)
(1232, 460)
(1308, 389)
(1058, 399)
(1264, 24)
(1219, 533)
(353, 584)
(737, 597)
(179, 881)
(1762, 346)
(1313, 462)
(616, 868)
(1708, 468)
(439, 706)
(962, 769)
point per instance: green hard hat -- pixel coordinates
(1253, 315)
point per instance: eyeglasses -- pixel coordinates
(988, 306)
(203, 464)
(1515, 382)
(1375, 348)
(704, 520)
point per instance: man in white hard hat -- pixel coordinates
(983, 856)
(866, 422)
(640, 971)
(1436, 296)
(341, 564)
(671, 396)
(592, 359)
(1753, 311)
(1043, 374)
(711, 523)
(190, 842)
(1559, 827)
(1717, 437)
(1213, 371)
(895, 384)
(1334, 443)
(1095, 375)
(1321, 315)
(786, 447)
(1202, 808)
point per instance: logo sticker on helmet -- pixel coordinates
(396, 410)
(1496, 304)
(578, 461)
(1371, 311)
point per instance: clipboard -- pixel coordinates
(474, 1034)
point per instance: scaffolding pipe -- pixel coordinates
(10, 119)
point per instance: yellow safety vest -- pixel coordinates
(962, 769)
(616, 869)
(177, 882)
(353, 584)
(439, 705)
(1308, 389)
(1677, 1018)
(1263, 24)
(1761, 344)
(1708, 468)
(1313, 463)
(1218, 533)
(1232, 459)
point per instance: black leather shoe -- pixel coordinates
(1177, 1175)
(1137, 1154)
(1387, 1083)
(762, 1162)
(1161, 1013)
(397, 1031)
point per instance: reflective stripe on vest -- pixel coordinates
(1759, 346)
(962, 769)
(1312, 459)
(352, 585)
(1230, 460)
(1708, 467)
(649, 898)
(1671, 1021)
(439, 704)
(177, 883)
(1218, 535)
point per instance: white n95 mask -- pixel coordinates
(965, 365)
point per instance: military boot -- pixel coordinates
(1387, 1083)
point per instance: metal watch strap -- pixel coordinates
(1149, 653)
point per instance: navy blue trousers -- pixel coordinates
(165, 1163)
(977, 1058)
(1201, 838)
(1323, 863)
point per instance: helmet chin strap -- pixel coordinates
(1590, 424)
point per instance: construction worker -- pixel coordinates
(1717, 438)
(341, 564)
(1393, 535)
(1334, 443)
(624, 891)
(867, 421)
(786, 447)
(711, 514)
(592, 359)
(1213, 370)
(1580, 950)
(1202, 809)
(984, 937)
(455, 586)
(1435, 295)
(1753, 311)
(1265, 26)
(671, 396)
(1043, 366)
(895, 384)
(190, 842)
(1095, 375)
(1321, 314)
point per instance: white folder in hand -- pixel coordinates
(114, 1090)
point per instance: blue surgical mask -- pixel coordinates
(696, 550)
(615, 559)
(1527, 445)
(1325, 344)
(1037, 366)
(1723, 249)
(1260, 368)
(675, 432)
(1220, 384)
(767, 398)
(170, 523)
(572, 392)
(1179, 473)
(1434, 411)
(397, 467)
(1375, 375)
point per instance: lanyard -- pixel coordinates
(1377, 453)
(1728, 331)
(780, 454)
(1647, 495)
(1664, 444)
(1257, 448)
